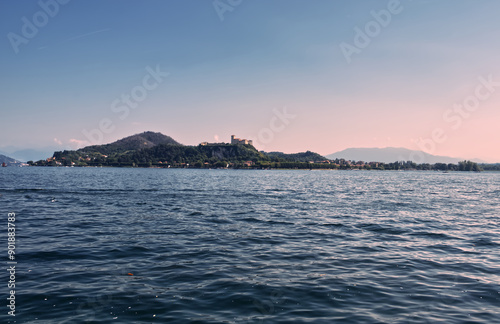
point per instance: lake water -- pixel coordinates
(109, 245)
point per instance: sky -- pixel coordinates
(292, 75)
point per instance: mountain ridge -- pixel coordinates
(8, 160)
(392, 154)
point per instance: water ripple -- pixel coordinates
(226, 246)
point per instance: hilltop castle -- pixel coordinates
(235, 140)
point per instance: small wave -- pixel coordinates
(218, 220)
(446, 248)
(251, 220)
(196, 213)
(336, 225)
(23, 190)
(433, 235)
(279, 222)
(484, 242)
(377, 228)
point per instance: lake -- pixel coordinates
(106, 245)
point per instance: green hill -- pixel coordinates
(131, 143)
(211, 154)
(296, 157)
(155, 149)
(490, 166)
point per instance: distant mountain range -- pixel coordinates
(392, 154)
(28, 154)
(7, 160)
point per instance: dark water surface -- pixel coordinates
(229, 246)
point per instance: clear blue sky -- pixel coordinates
(230, 76)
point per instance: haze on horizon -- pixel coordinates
(291, 75)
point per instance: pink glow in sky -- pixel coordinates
(396, 89)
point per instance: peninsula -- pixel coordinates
(150, 149)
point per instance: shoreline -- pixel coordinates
(265, 169)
